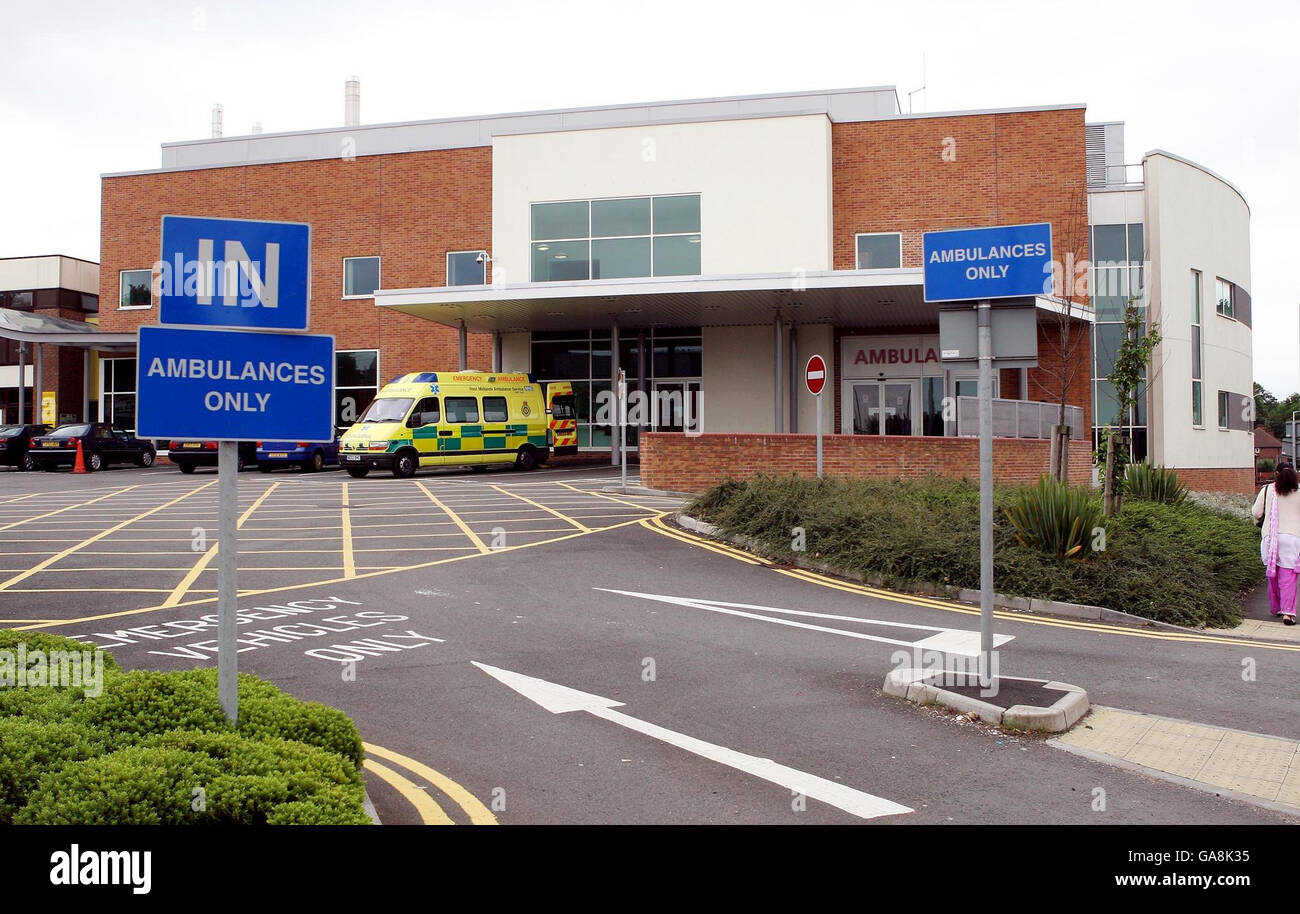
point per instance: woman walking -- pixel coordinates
(1278, 507)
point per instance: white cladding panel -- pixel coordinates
(764, 186)
(1196, 221)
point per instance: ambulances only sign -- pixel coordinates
(229, 385)
(1008, 261)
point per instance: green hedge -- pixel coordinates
(136, 753)
(1184, 563)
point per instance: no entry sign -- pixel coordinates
(814, 375)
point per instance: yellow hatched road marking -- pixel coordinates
(28, 520)
(349, 562)
(474, 808)
(257, 592)
(178, 593)
(580, 526)
(96, 538)
(456, 519)
(430, 812)
(610, 497)
(10, 501)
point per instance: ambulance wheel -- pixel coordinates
(358, 472)
(405, 464)
(527, 459)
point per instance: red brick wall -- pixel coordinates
(408, 208)
(691, 464)
(924, 174)
(1239, 480)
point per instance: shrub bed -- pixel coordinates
(1181, 563)
(155, 748)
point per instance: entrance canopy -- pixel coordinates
(877, 298)
(58, 331)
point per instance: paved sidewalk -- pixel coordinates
(1257, 766)
(1258, 623)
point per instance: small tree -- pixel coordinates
(1127, 377)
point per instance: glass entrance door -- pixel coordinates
(676, 406)
(884, 407)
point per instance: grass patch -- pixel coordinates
(1183, 563)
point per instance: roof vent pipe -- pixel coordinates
(352, 102)
(216, 122)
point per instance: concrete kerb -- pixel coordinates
(959, 594)
(923, 687)
(369, 806)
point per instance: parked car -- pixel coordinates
(15, 445)
(101, 444)
(190, 455)
(311, 457)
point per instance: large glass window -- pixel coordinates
(134, 289)
(1117, 283)
(462, 409)
(671, 354)
(617, 238)
(118, 399)
(360, 276)
(356, 381)
(466, 268)
(880, 251)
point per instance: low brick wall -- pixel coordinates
(1238, 480)
(691, 464)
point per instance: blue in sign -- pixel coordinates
(231, 385)
(1007, 261)
(235, 273)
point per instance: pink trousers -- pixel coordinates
(1282, 592)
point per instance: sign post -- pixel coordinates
(979, 265)
(814, 375)
(622, 431)
(233, 384)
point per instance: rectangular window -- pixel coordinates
(1223, 297)
(117, 377)
(425, 413)
(134, 289)
(1198, 409)
(880, 251)
(356, 382)
(1223, 409)
(466, 268)
(495, 409)
(462, 409)
(360, 276)
(618, 238)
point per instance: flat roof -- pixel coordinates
(881, 298)
(872, 103)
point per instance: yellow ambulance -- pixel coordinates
(461, 418)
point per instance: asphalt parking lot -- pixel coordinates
(540, 648)
(131, 539)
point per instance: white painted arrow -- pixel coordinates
(958, 641)
(560, 699)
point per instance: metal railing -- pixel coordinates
(1018, 419)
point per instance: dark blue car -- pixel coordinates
(311, 457)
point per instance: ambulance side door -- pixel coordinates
(424, 422)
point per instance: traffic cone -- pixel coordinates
(80, 465)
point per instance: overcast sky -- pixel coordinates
(93, 87)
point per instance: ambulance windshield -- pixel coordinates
(387, 409)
